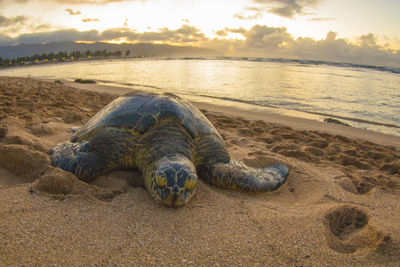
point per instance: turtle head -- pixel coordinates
(172, 180)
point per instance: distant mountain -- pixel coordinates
(141, 49)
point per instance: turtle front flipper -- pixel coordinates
(236, 175)
(78, 159)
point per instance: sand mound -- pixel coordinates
(16, 134)
(22, 161)
(60, 184)
(55, 182)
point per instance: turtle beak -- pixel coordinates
(176, 197)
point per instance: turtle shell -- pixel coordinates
(138, 111)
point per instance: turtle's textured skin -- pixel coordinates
(169, 140)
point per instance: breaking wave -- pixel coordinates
(305, 62)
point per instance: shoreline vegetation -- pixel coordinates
(61, 57)
(339, 206)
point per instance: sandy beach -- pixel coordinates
(339, 206)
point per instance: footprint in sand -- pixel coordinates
(355, 185)
(349, 231)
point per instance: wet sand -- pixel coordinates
(339, 206)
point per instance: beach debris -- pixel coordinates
(169, 140)
(85, 81)
(336, 121)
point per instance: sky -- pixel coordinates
(360, 31)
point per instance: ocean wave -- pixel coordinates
(277, 106)
(314, 62)
(303, 62)
(130, 84)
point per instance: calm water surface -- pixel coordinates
(361, 97)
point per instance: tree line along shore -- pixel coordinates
(46, 58)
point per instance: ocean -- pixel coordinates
(362, 96)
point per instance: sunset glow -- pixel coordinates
(242, 27)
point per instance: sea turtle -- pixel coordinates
(169, 140)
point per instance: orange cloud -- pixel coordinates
(90, 20)
(258, 41)
(6, 21)
(74, 2)
(72, 12)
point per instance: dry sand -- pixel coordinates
(339, 206)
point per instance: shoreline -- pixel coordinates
(290, 121)
(380, 68)
(380, 119)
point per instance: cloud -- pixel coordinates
(58, 36)
(6, 21)
(284, 8)
(258, 41)
(184, 34)
(256, 15)
(13, 1)
(221, 33)
(322, 19)
(266, 37)
(72, 12)
(90, 20)
(225, 31)
(73, 2)
(77, 2)
(89, 2)
(368, 40)
(264, 41)
(341, 50)
(12, 25)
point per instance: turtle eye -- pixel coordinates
(190, 184)
(161, 180)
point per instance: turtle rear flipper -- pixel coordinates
(236, 175)
(77, 159)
